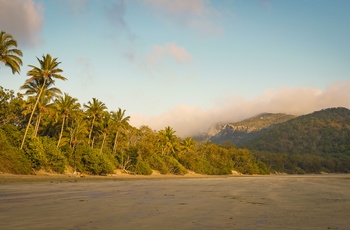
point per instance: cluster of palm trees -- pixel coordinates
(90, 132)
(43, 98)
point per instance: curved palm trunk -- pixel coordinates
(92, 127)
(103, 142)
(115, 142)
(59, 139)
(37, 125)
(92, 142)
(31, 115)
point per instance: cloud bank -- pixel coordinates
(188, 120)
(25, 25)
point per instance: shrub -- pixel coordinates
(12, 159)
(142, 167)
(14, 136)
(174, 166)
(56, 161)
(35, 152)
(156, 162)
(92, 161)
(219, 159)
(245, 162)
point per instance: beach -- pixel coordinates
(175, 202)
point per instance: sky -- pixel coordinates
(189, 63)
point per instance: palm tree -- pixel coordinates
(105, 127)
(48, 71)
(167, 140)
(120, 122)
(33, 90)
(77, 131)
(9, 55)
(187, 144)
(65, 106)
(42, 107)
(94, 109)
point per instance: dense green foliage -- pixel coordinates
(308, 144)
(45, 130)
(62, 136)
(12, 159)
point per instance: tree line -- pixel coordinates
(44, 128)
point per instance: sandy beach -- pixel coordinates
(177, 202)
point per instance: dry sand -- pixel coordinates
(156, 202)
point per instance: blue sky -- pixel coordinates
(189, 63)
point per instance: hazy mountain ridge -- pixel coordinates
(240, 132)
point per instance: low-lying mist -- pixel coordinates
(191, 120)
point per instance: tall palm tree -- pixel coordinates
(42, 107)
(9, 55)
(78, 132)
(94, 110)
(65, 106)
(33, 90)
(48, 71)
(120, 122)
(106, 122)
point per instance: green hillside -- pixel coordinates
(321, 138)
(322, 132)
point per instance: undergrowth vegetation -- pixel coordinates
(139, 151)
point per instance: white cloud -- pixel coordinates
(167, 62)
(196, 14)
(187, 120)
(178, 53)
(22, 19)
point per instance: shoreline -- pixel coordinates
(13, 178)
(312, 201)
(70, 177)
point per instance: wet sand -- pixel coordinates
(231, 202)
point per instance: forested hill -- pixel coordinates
(322, 132)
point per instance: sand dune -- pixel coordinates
(231, 202)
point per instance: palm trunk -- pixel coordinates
(92, 127)
(31, 115)
(103, 142)
(115, 142)
(37, 125)
(74, 157)
(71, 138)
(59, 139)
(92, 142)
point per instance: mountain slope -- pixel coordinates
(238, 133)
(322, 132)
